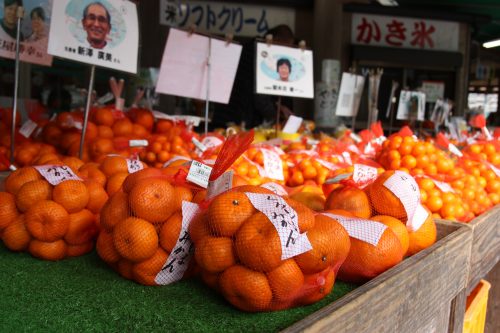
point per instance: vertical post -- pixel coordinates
(208, 83)
(278, 111)
(87, 110)
(19, 15)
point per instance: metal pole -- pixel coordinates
(208, 84)
(20, 15)
(87, 110)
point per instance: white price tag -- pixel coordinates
(364, 230)
(134, 165)
(200, 147)
(178, 260)
(285, 220)
(364, 173)
(404, 186)
(199, 173)
(211, 141)
(220, 185)
(273, 164)
(275, 187)
(454, 150)
(175, 158)
(292, 124)
(28, 127)
(56, 174)
(138, 143)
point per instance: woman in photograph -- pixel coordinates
(37, 16)
(284, 67)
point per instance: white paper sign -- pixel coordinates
(220, 185)
(107, 36)
(211, 141)
(273, 165)
(178, 260)
(433, 90)
(284, 71)
(285, 220)
(27, 129)
(34, 31)
(364, 230)
(199, 173)
(292, 124)
(56, 174)
(364, 173)
(184, 67)
(134, 165)
(275, 187)
(351, 89)
(404, 105)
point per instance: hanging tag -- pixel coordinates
(276, 188)
(138, 143)
(364, 173)
(56, 174)
(220, 185)
(175, 158)
(365, 230)
(273, 164)
(405, 188)
(178, 260)
(28, 127)
(285, 220)
(200, 147)
(134, 165)
(292, 124)
(199, 174)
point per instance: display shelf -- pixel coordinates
(425, 293)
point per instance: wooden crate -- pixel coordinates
(424, 293)
(485, 245)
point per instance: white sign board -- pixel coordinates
(404, 32)
(34, 31)
(433, 90)
(184, 67)
(404, 106)
(225, 17)
(284, 71)
(103, 33)
(351, 89)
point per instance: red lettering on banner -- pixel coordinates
(396, 34)
(368, 31)
(422, 34)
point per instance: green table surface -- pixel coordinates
(83, 294)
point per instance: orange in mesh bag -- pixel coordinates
(55, 211)
(251, 246)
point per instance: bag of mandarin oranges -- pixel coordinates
(144, 225)
(384, 217)
(49, 211)
(265, 252)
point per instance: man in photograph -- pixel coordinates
(97, 23)
(283, 67)
(9, 20)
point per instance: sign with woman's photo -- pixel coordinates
(34, 30)
(98, 32)
(284, 71)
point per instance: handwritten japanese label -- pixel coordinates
(364, 230)
(326, 97)
(404, 32)
(199, 173)
(222, 17)
(364, 174)
(276, 188)
(178, 260)
(405, 188)
(285, 220)
(273, 164)
(56, 174)
(27, 129)
(134, 165)
(220, 185)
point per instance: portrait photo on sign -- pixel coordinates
(99, 32)
(34, 34)
(285, 71)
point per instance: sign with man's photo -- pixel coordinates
(98, 32)
(284, 71)
(34, 34)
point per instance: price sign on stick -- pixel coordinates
(404, 106)
(113, 44)
(184, 69)
(351, 88)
